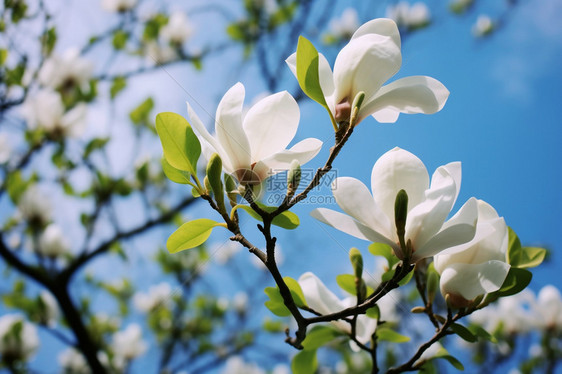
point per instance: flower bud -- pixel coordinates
(230, 187)
(356, 261)
(293, 178)
(400, 215)
(207, 184)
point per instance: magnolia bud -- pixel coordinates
(400, 215)
(207, 185)
(230, 187)
(293, 178)
(356, 261)
(214, 171)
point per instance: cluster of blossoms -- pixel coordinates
(483, 26)
(409, 16)
(342, 28)
(18, 339)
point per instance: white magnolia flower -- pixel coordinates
(479, 266)
(118, 5)
(128, 344)
(370, 58)
(177, 30)
(45, 110)
(322, 300)
(157, 295)
(66, 70)
(409, 16)
(159, 53)
(72, 361)
(281, 369)
(52, 242)
(483, 26)
(237, 365)
(5, 148)
(548, 308)
(223, 252)
(50, 312)
(240, 302)
(346, 25)
(253, 147)
(371, 216)
(17, 344)
(35, 206)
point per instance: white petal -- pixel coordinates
(381, 26)
(271, 124)
(326, 77)
(470, 281)
(457, 230)
(350, 226)
(303, 152)
(416, 94)
(318, 296)
(202, 131)
(228, 128)
(386, 115)
(291, 61)
(355, 199)
(395, 170)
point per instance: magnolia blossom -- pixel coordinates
(371, 216)
(52, 242)
(49, 309)
(66, 70)
(45, 110)
(345, 26)
(548, 308)
(128, 344)
(177, 30)
(237, 365)
(157, 295)
(118, 5)
(483, 26)
(409, 16)
(160, 53)
(240, 302)
(5, 148)
(253, 147)
(324, 301)
(479, 266)
(223, 252)
(35, 207)
(17, 344)
(370, 59)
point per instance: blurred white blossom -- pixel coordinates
(128, 344)
(34, 206)
(52, 242)
(483, 26)
(346, 25)
(236, 365)
(18, 338)
(156, 295)
(279, 258)
(118, 5)
(5, 148)
(281, 369)
(50, 311)
(178, 29)
(408, 15)
(45, 110)
(66, 70)
(548, 308)
(240, 302)
(72, 361)
(159, 53)
(223, 252)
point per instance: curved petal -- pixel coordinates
(271, 124)
(200, 129)
(380, 26)
(416, 94)
(454, 169)
(350, 226)
(303, 152)
(291, 62)
(228, 128)
(472, 280)
(457, 230)
(355, 199)
(318, 296)
(427, 218)
(395, 170)
(364, 65)
(385, 115)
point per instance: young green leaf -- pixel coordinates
(308, 71)
(523, 257)
(463, 332)
(319, 336)
(389, 335)
(304, 362)
(287, 220)
(296, 291)
(175, 175)
(190, 235)
(214, 171)
(181, 146)
(275, 303)
(515, 282)
(384, 250)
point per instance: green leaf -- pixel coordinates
(373, 312)
(94, 144)
(304, 362)
(515, 282)
(3, 56)
(296, 291)
(235, 32)
(287, 220)
(406, 279)
(175, 175)
(275, 303)
(389, 335)
(141, 113)
(523, 257)
(181, 146)
(347, 283)
(120, 38)
(444, 355)
(214, 172)
(307, 71)
(48, 40)
(118, 84)
(463, 332)
(386, 251)
(190, 235)
(319, 336)
(481, 333)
